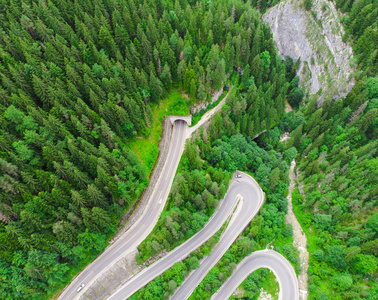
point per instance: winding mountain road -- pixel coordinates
(130, 240)
(278, 264)
(242, 202)
(251, 200)
(246, 196)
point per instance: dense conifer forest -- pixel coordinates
(337, 143)
(270, 167)
(335, 146)
(78, 82)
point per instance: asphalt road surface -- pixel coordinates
(252, 199)
(243, 200)
(246, 196)
(281, 268)
(143, 226)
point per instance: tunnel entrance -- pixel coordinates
(187, 119)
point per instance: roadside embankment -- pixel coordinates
(299, 238)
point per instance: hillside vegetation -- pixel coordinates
(77, 84)
(81, 80)
(361, 22)
(337, 143)
(311, 33)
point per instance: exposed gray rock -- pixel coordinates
(203, 104)
(315, 37)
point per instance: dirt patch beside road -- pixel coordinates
(299, 238)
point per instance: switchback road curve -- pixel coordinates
(281, 268)
(245, 195)
(130, 240)
(251, 200)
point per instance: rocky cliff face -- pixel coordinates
(316, 37)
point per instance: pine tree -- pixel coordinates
(156, 89)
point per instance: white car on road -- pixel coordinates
(80, 287)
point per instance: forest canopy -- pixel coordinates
(77, 83)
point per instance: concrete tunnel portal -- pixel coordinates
(187, 119)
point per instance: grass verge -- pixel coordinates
(146, 147)
(268, 283)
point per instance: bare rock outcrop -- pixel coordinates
(316, 37)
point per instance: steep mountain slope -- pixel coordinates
(316, 38)
(337, 147)
(78, 81)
